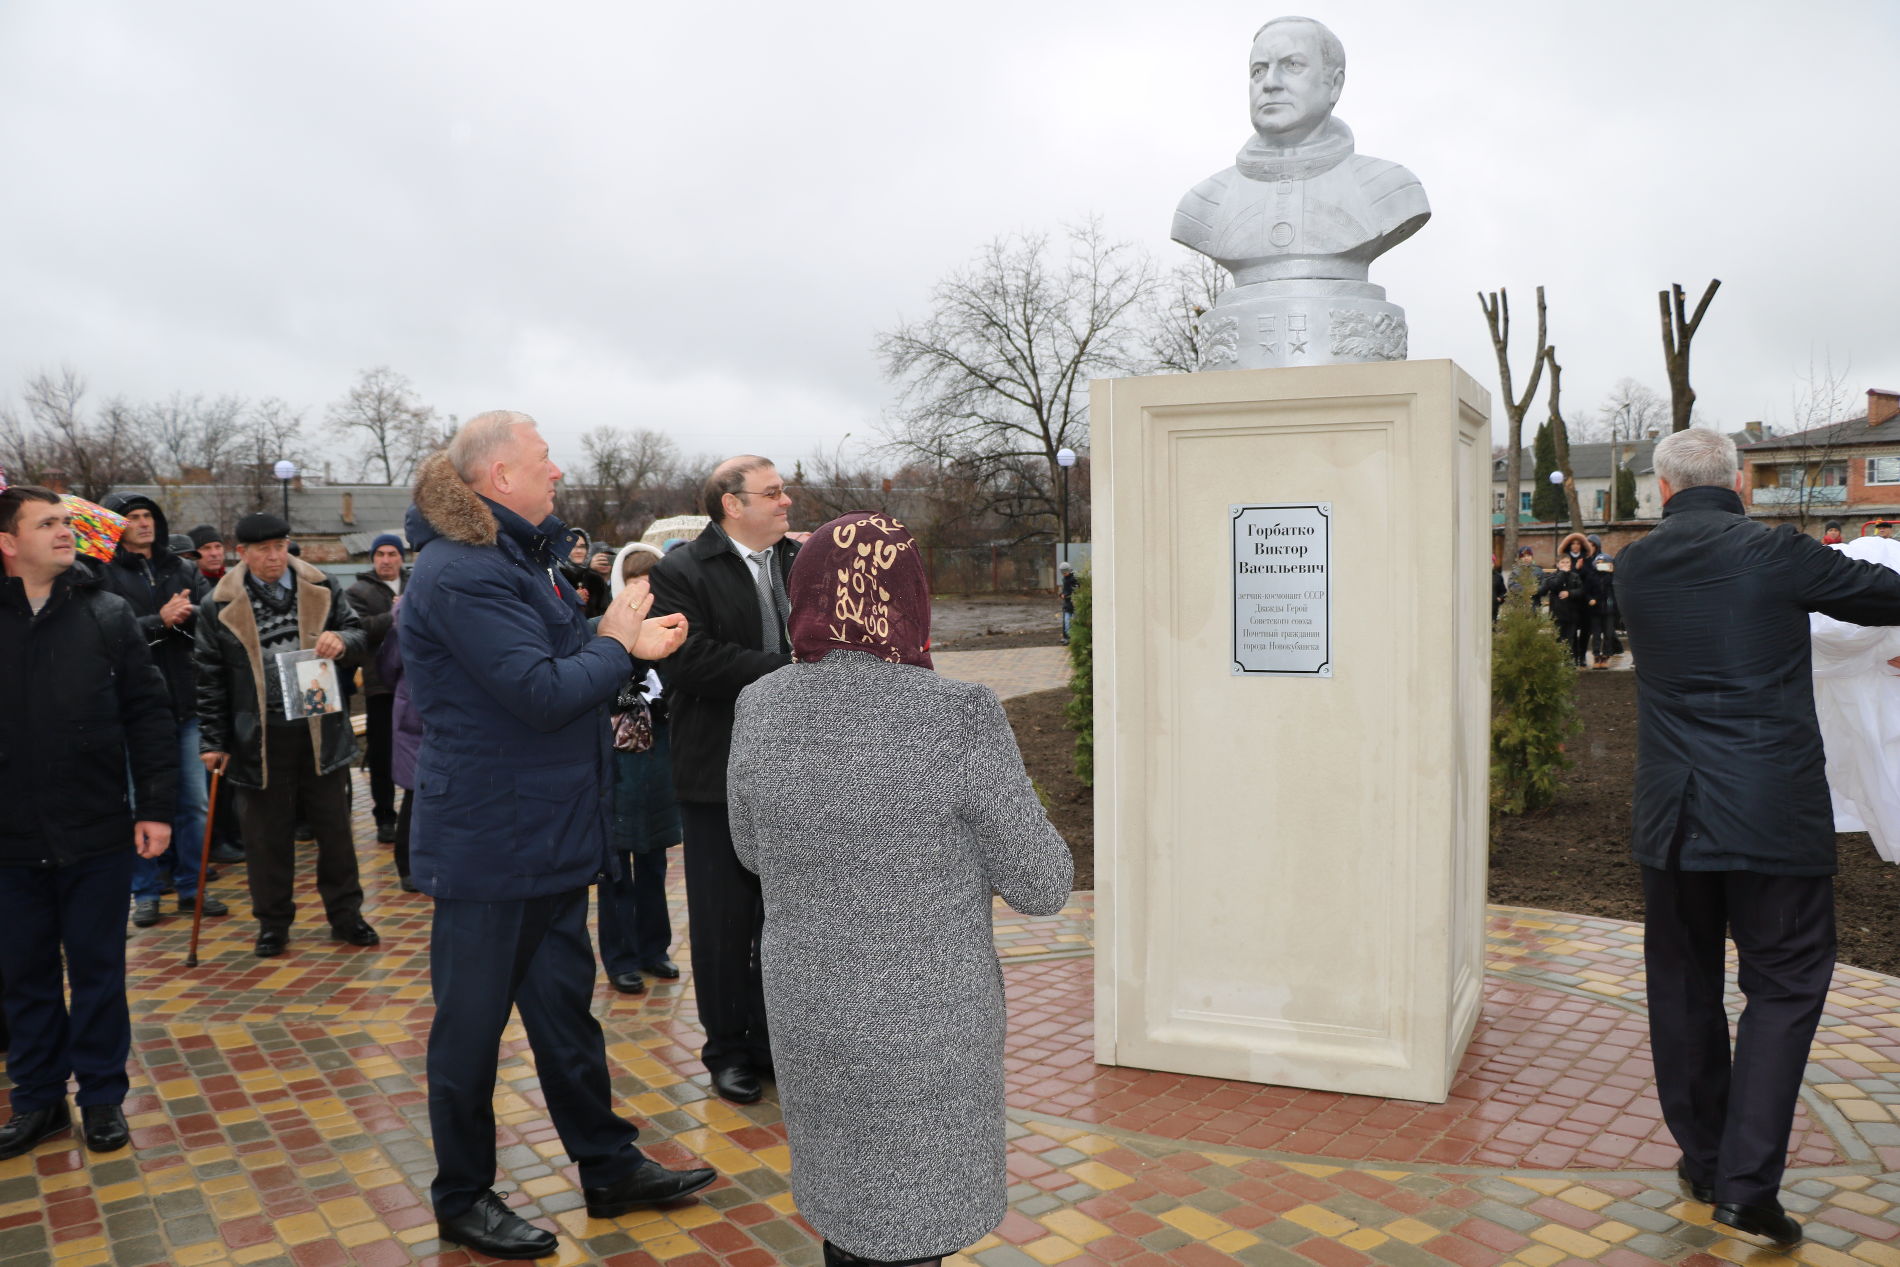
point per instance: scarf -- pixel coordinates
(859, 585)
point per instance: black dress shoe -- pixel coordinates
(271, 942)
(213, 906)
(739, 1085)
(408, 885)
(629, 982)
(1767, 1219)
(358, 933)
(1703, 1192)
(663, 968)
(490, 1227)
(104, 1128)
(229, 855)
(24, 1130)
(649, 1183)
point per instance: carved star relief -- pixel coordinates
(1298, 348)
(1271, 349)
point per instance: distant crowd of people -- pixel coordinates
(1579, 592)
(556, 715)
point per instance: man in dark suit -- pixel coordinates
(510, 822)
(730, 585)
(1732, 821)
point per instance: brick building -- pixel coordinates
(1847, 470)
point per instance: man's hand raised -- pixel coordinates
(177, 609)
(626, 623)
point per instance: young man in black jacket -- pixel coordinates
(267, 605)
(1732, 820)
(374, 595)
(165, 591)
(730, 586)
(79, 701)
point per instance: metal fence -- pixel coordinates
(1019, 569)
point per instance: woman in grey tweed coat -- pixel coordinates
(880, 806)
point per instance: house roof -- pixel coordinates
(315, 511)
(1592, 461)
(1831, 435)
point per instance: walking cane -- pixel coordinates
(204, 858)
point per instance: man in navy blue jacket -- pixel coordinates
(510, 820)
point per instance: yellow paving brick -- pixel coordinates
(1861, 1202)
(1312, 1168)
(1235, 1240)
(546, 1184)
(1051, 1250)
(198, 1255)
(235, 1205)
(1411, 1231)
(1691, 1212)
(1319, 1219)
(1540, 1255)
(346, 1210)
(1549, 1187)
(1390, 1176)
(1091, 1144)
(1853, 1182)
(1878, 1254)
(1569, 1240)
(90, 1258)
(82, 1245)
(114, 1192)
(1809, 1252)
(1097, 1175)
(1365, 1238)
(361, 1234)
(692, 1216)
(1196, 1223)
(782, 1202)
(298, 1228)
(1588, 1198)
(1613, 1232)
(60, 1183)
(1075, 1225)
(1863, 1110)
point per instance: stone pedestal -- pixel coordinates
(1290, 868)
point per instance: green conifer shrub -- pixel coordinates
(1533, 705)
(1081, 707)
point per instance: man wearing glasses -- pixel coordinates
(729, 583)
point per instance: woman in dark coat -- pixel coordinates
(636, 930)
(881, 806)
(1562, 590)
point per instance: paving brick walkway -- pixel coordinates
(279, 1118)
(1014, 671)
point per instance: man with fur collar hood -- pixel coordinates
(269, 604)
(510, 820)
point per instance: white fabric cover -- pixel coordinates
(1857, 698)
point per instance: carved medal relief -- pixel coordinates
(1366, 336)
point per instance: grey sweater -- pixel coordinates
(881, 805)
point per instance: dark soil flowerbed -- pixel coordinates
(1042, 732)
(1574, 856)
(1571, 857)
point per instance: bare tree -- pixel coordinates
(196, 436)
(1677, 331)
(1820, 431)
(1560, 438)
(997, 375)
(622, 476)
(1174, 311)
(58, 439)
(1497, 315)
(396, 430)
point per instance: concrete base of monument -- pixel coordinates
(1292, 693)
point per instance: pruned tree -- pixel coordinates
(1560, 437)
(1173, 314)
(1677, 331)
(385, 417)
(997, 375)
(1497, 315)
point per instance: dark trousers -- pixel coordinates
(487, 959)
(378, 732)
(727, 914)
(1603, 634)
(75, 913)
(269, 816)
(1732, 1114)
(635, 927)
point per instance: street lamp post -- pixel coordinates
(1557, 482)
(286, 471)
(1065, 458)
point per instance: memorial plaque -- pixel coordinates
(1283, 605)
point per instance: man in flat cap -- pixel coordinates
(269, 604)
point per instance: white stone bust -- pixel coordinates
(1300, 205)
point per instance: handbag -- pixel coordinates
(632, 718)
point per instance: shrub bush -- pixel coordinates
(1081, 710)
(1533, 705)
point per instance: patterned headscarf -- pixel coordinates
(859, 585)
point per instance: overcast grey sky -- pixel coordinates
(696, 217)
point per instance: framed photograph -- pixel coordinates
(309, 683)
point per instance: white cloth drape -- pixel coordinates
(1857, 699)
